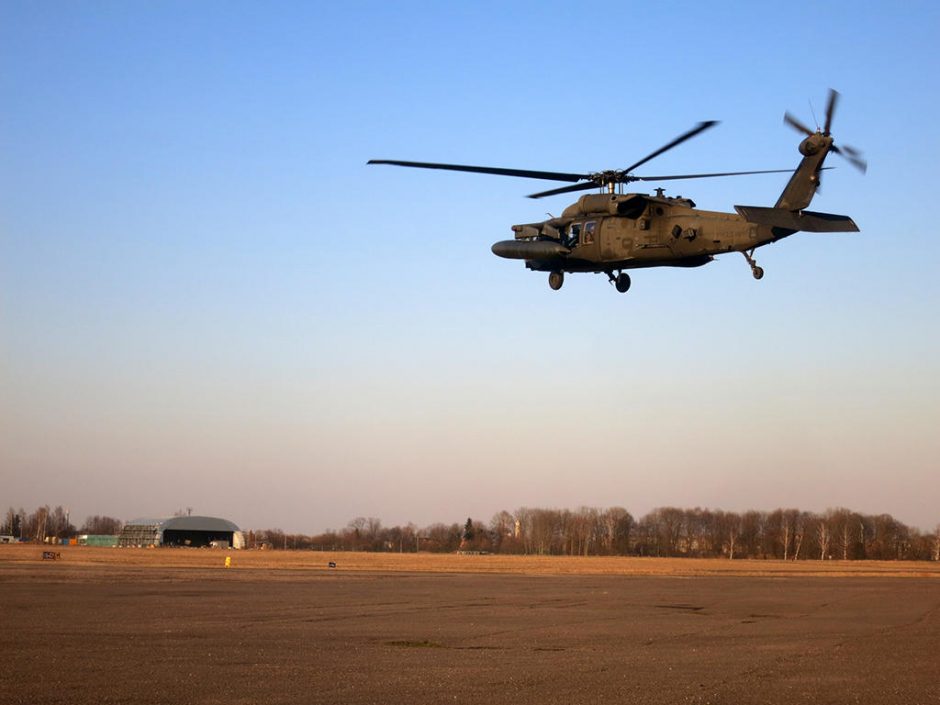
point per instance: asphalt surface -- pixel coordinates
(100, 635)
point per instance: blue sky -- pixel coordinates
(207, 298)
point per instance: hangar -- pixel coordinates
(182, 531)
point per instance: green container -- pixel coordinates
(98, 540)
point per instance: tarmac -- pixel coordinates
(97, 634)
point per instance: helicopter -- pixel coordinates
(613, 231)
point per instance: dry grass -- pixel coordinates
(449, 563)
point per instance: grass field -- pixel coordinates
(181, 558)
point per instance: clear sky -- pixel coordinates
(208, 300)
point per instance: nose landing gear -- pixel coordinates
(556, 279)
(758, 272)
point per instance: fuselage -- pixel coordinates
(604, 232)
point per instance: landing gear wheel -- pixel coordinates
(758, 272)
(556, 279)
(623, 282)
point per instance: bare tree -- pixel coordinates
(442, 538)
(101, 525)
(36, 524)
(502, 529)
(12, 523)
(799, 533)
(584, 529)
(669, 524)
(752, 530)
(545, 531)
(844, 524)
(524, 521)
(617, 528)
(823, 536)
(732, 530)
(355, 533)
(373, 533)
(784, 521)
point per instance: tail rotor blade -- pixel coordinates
(830, 109)
(796, 124)
(848, 149)
(857, 162)
(853, 156)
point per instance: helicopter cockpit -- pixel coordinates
(580, 234)
(573, 235)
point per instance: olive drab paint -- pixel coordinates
(614, 231)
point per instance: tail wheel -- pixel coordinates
(623, 282)
(556, 279)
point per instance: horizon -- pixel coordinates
(573, 510)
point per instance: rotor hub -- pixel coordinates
(814, 144)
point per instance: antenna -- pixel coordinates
(813, 112)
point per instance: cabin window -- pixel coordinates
(588, 237)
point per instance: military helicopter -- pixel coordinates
(615, 231)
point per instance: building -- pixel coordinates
(195, 531)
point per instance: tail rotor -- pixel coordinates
(851, 154)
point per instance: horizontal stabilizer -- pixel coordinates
(807, 221)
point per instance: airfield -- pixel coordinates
(106, 625)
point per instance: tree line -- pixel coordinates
(46, 523)
(785, 534)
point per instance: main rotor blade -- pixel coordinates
(565, 189)
(671, 177)
(793, 122)
(525, 173)
(830, 109)
(707, 176)
(702, 126)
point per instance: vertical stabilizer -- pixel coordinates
(805, 180)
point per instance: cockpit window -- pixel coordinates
(574, 234)
(588, 236)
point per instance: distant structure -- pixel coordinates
(182, 531)
(106, 540)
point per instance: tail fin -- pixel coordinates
(802, 185)
(805, 180)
